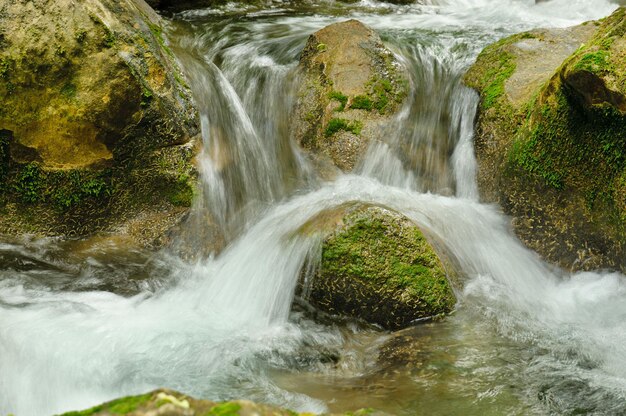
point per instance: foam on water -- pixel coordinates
(215, 328)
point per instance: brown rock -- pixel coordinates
(351, 86)
(101, 122)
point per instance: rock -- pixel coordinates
(97, 122)
(171, 403)
(550, 139)
(351, 85)
(378, 266)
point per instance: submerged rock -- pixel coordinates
(170, 403)
(97, 121)
(551, 139)
(351, 86)
(378, 266)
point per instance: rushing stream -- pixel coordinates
(84, 323)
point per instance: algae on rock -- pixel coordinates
(351, 85)
(171, 403)
(378, 266)
(100, 123)
(551, 139)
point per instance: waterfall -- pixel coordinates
(223, 326)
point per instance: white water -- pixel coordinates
(218, 327)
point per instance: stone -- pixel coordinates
(164, 402)
(350, 87)
(102, 125)
(550, 139)
(379, 267)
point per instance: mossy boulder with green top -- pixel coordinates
(378, 266)
(171, 403)
(551, 139)
(350, 87)
(97, 124)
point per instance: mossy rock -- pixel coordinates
(551, 139)
(378, 266)
(172, 403)
(351, 85)
(98, 126)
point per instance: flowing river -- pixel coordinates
(84, 323)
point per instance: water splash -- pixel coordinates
(222, 326)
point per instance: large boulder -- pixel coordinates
(97, 123)
(551, 139)
(170, 403)
(351, 85)
(378, 266)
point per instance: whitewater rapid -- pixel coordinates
(220, 326)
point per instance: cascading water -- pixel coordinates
(79, 326)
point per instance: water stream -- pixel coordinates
(84, 323)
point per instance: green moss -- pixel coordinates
(59, 188)
(81, 35)
(493, 67)
(527, 156)
(337, 124)
(68, 90)
(181, 193)
(378, 250)
(495, 78)
(157, 31)
(362, 102)
(117, 407)
(594, 62)
(146, 97)
(383, 96)
(28, 184)
(337, 96)
(108, 37)
(5, 137)
(224, 409)
(5, 67)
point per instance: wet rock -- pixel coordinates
(550, 138)
(378, 266)
(170, 403)
(100, 119)
(351, 85)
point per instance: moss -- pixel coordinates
(224, 409)
(182, 192)
(121, 406)
(146, 97)
(362, 102)
(28, 184)
(61, 189)
(594, 62)
(157, 31)
(394, 260)
(5, 67)
(564, 146)
(68, 90)
(337, 124)
(493, 67)
(383, 95)
(80, 35)
(5, 137)
(338, 96)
